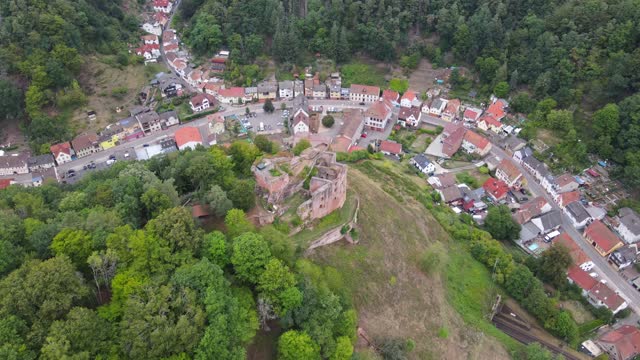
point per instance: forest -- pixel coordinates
(116, 267)
(579, 56)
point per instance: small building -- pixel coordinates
(285, 89)
(334, 92)
(628, 225)
(437, 106)
(377, 115)
(423, 164)
(471, 115)
(250, 93)
(149, 122)
(163, 6)
(319, 91)
(497, 109)
(188, 137)
(202, 102)
(450, 194)
(622, 343)
(409, 116)
(452, 138)
(234, 95)
(410, 99)
(451, 111)
(548, 222)
(267, 90)
(389, 147)
(300, 122)
(364, 93)
(150, 39)
(391, 96)
(86, 144)
(496, 189)
(567, 198)
(509, 173)
(601, 238)
(13, 164)
(351, 130)
(169, 118)
(565, 183)
(40, 162)
(62, 152)
(578, 215)
(475, 143)
(624, 257)
(488, 122)
(442, 180)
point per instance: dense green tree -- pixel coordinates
(293, 345)
(243, 155)
(501, 89)
(328, 121)
(216, 248)
(237, 223)
(301, 146)
(552, 265)
(250, 256)
(277, 285)
(264, 144)
(76, 244)
(205, 36)
(10, 100)
(268, 106)
(500, 224)
(242, 194)
(218, 201)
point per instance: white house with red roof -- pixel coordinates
(62, 152)
(377, 115)
(509, 173)
(409, 116)
(409, 99)
(195, 78)
(389, 147)
(392, 96)
(497, 109)
(149, 52)
(471, 114)
(488, 122)
(163, 6)
(475, 143)
(188, 137)
(150, 39)
(232, 95)
(622, 343)
(202, 102)
(364, 93)
(496, 189)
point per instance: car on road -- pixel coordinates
(112, 157)
(364, 135)
(111, 161)
(126, 155)
(361, 104)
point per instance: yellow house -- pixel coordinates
(109, 142)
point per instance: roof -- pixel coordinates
(446, 179)
(17, 161)
(453, 106)
(364, 90)
(569, 197)
(234, 92)
(581, 278)
(605, 294)
(391, 147)
(565, 179)
(579, 257)
(530, 209)
(626, 340)
(148, 117)
(149, 37)
(199, 211)
(497, 109)
(40, 160)
(168, 114)
(161, 3)
(421, 160)
(57, 149)
(186, 135)
(450, 193)
(84, 141)
(477, 140)
(5, 183)
(577, 211)
(509, 168)
(451, 143)
(548, 221)
(599, 233)
(319, 87)
(496, 188)
(379, 110)
(390, 95)
(490, 120)
(199, 99)
(630, 220)
(352, 119)
(267, 86)
(286, 84)
(471, 113)
(407, 112)
(409, 95)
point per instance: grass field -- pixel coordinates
(99, 80)
(361, 73)
(443, 312)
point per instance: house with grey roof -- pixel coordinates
(285, 89)
(267, 90)
(39, 162)
(422, 163)
(169, 118)
(578, 214)
(629, 225)
(548, 222)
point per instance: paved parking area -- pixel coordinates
(273, 122)
(125, 154)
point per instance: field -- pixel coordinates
(443, 312)
(99, 81)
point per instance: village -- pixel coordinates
(458, 142)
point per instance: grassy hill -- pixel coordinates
(443, 312)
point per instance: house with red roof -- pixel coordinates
(149, 51)
(567, 198)
(496, 189)
(471, 114)
(409, 99)
(565, 183)
(581, 278)
(212, 88)
(622, 343)
(389, 147)
(202, 102)
(531, 209)
(497, 109)
(602, 295)
(62, 152)
(601, 238)
(475, 143)
(488, 122)
(509, 173)
(232, 95)
(450, 112)
(364, 93)
(377, 115)
(163, 6)
(161, 18)
(171, 48)
(452, 137)
(150, 39)
(409, 116)
(188, 137)
(579, 257)
(391, 96)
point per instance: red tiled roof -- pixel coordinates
(379, 109)
(161, 3)
(490, 121)
(186, 135)
(626, 340)
(56, 149)
(453, 106)
(365, 90)
(470, 114)
(565, 179)
(406, 112)
(409, 95)
(568, 197)
(593, 173)
(171, 47)
(234, 92)
(212, 86)
(147, 48)
(390, 95)
(599, 233)
(579, 257)
(452, 143)
(581, 278)
(391, 147)
(84, 141)
(509, 168)
(496, 188)
(198, 99)
(199, 211)
(497, 109)
(608, 297)
(4, 183)
(477, 140)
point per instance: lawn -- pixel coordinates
(360, 73)
(336, 218)
(441, 312)
(421, 143)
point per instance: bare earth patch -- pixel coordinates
(393, 297)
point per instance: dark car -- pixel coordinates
(112, 157)
(71, 171)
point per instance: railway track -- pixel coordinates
(518, 333)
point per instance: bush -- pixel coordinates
(301, 146)
(623, 314)
(119, 92)
(431, 259)
(328, 121)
